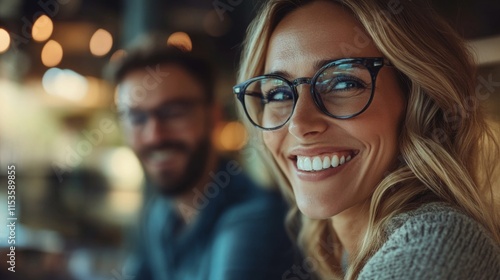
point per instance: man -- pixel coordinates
(205, 218)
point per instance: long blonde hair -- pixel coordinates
(442, 150)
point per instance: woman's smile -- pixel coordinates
(332, 164)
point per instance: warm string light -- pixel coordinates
(42, 28)
(180, 40)
(4, 40)
(52, 53)
(65, 83)
(118, 55)
(233, 136)
(101, 42)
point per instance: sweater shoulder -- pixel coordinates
(432, 242)
(439, 216)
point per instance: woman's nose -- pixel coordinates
(307, 120)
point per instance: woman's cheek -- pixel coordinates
(269, 139)
(273, 140)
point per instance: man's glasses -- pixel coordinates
(173, 114)
(341, 89)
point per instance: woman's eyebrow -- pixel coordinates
(320, 63)
(281, 73)
(316, 65)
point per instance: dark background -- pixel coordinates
(73, 222)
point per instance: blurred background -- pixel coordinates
(78, 188)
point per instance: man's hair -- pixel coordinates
(151, 55)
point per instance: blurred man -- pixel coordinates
(205, 219)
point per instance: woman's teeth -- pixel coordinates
(317, 164)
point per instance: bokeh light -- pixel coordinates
(124, 169)
(42, 28)
(101, 42)
(52, 53)
(65, 83)
(4, 40)
(180, 40)
(118, 55)
(233, 136)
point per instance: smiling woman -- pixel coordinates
(369, 117)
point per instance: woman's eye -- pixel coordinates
(342, 84)
(279, 95)
(346, 85)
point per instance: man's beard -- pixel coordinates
(170, 185)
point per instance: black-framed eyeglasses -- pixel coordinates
(341, 89)
(175, 113)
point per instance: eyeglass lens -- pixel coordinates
(174, 112)
(343, 90)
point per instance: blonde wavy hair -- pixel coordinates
(447, 150)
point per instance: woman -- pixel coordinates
(368, 113)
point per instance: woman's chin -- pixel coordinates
(316, 210)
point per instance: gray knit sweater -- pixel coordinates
(434, 242)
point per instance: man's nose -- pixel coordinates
(154, 131)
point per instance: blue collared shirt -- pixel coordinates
(238, 234)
